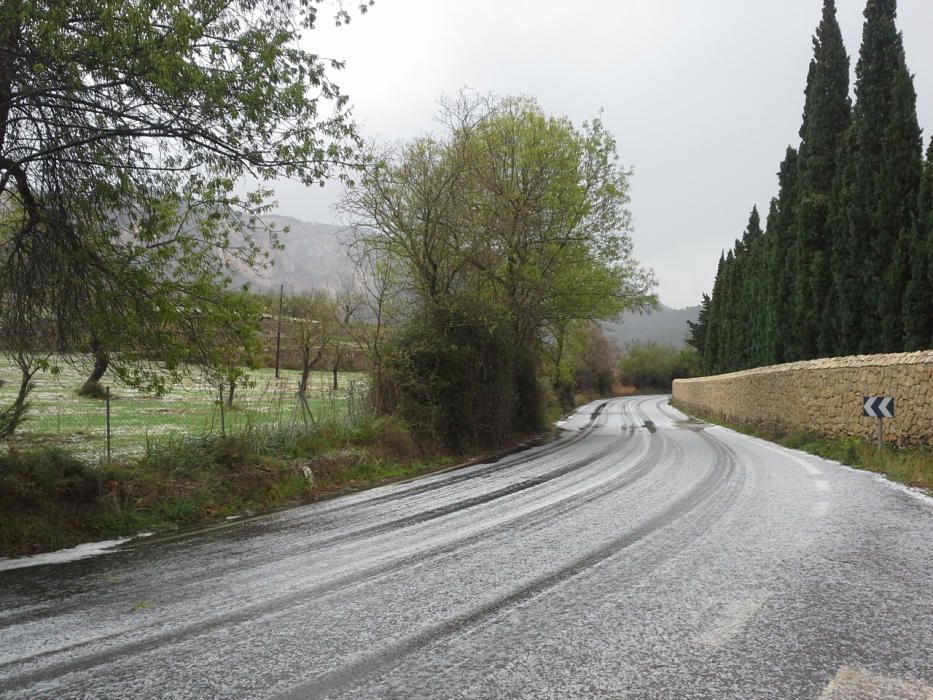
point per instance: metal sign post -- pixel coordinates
(879, 407)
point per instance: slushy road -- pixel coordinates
(641, 555)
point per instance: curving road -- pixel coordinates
(642, 555)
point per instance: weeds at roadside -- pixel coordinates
(912, 466)
(50, 499)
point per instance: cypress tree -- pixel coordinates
(887, 163)
(728, 359)
(782, 224)
(698, 328)
(770, 281)
(826, 117)
(751, 314)
(711, 350)
(918, 295)
(847, 257)
(727, 330)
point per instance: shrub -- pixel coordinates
(460, 381)
(653, 367)
(27, 477)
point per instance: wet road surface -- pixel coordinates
(642, 555)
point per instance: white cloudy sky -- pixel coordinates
(703, 96)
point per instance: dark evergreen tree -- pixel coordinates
(714, 328)
(847, 258)
(698, 328)
(757, 289)
(826, 117)
(727, 347)
(846, 263)
(772, 256)
(750, 312)
(887, 163)
(918, 295)
(782, 225)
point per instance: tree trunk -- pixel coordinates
(231, 389)
(92, 386)
(336, 367)
(11, 417)
(303, 382)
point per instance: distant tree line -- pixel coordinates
(845, 265)
(653, 367)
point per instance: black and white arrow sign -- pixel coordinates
(878, 406)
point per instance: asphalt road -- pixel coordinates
(642, 555)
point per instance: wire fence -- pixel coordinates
(123, 425)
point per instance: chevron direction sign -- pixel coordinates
(878, 406)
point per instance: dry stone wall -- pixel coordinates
(823, 396)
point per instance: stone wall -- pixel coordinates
(822, 396)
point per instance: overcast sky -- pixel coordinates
(703, 96)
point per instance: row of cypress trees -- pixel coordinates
(846, 263)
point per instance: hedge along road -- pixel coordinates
(641, 555)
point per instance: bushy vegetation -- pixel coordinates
(652, 368)
(50, 499)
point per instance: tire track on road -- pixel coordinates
(709, 498)
(640, 468)
(597, 418)
(653, 455)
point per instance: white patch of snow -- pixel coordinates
(82, 551)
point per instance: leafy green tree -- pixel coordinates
(124, 130)
(510, 214)
(310, 327)
(561, 358)
(225, 340)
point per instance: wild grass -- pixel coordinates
(50, 498)
(912, 466)
(173, 467)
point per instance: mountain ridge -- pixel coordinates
(314, 256)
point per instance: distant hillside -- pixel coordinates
(666, 326)
(314, 258)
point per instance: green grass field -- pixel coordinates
(58, 416)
